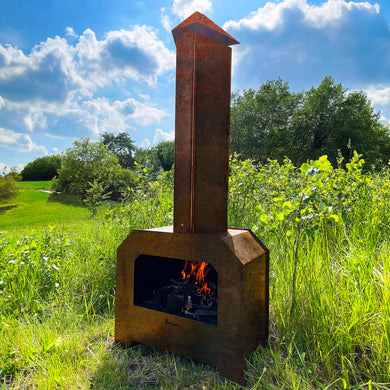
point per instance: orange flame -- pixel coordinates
(198, 271)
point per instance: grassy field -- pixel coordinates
(326, 229)
(35, 207)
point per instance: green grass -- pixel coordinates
(57, 289)
(34, 184)
(34, 207)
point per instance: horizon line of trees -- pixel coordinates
(270, 123)
(274, 123)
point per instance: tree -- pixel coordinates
(327, 120)
(88, 161)
(335, 122)
(96, 195)
(157, 158)
(121, 146)
(42, 168)
(163, 155)
(260, 121)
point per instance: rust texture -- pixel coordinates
(242, 265)
(200, 230)
(203, 69)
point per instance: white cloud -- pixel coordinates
(302, 43)
(53, 87)
(184, 8)
(124, 54)
(4, 168)
(145, 144)
(101, 114)
(35, 119)
(18, 141)
(56, 70)
(160, 136)
(70, 32)
(165, 20)
(272, 15)
(378, 95)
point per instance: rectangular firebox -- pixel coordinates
(197, 288)
(240, 263)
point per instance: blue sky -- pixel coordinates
(71, 69)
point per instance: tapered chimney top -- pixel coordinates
(198, 23)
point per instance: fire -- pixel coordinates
(197, 271)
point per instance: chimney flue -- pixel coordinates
(203, 74)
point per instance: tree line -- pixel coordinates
(270, 123)
(274, 122)
(106, 166)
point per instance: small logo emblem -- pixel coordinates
(170, 323)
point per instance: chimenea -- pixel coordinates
(197, 288)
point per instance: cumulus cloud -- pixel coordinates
(293, 39)
(379, 95)
(35, 119)
(54, 70)
(145, 144)
(135, 54)
(273, 15)
(4, 168)
(101, 114)
(70, 32)
(18, 141)
(47, 73)
(165, 20)
(52, 90)
(184, 8)
(160, 136)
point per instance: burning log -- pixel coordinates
(194, 296)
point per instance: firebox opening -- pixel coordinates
(184, 288)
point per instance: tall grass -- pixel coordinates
(57, 288)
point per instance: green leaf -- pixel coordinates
(335, 217)
(263, 218)
(304, 168)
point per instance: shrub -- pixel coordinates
(88, 161)
(42, 168)
(8, 189)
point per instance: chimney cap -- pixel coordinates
(198, 23)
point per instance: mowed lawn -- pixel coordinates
(33, 206)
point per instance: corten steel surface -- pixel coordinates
(203, 68)
(200, 220)
(242, 265)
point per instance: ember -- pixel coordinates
(190, 293)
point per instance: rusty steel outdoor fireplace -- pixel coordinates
(198, 288)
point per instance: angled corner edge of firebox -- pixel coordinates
(242, 264)
(254, 257)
